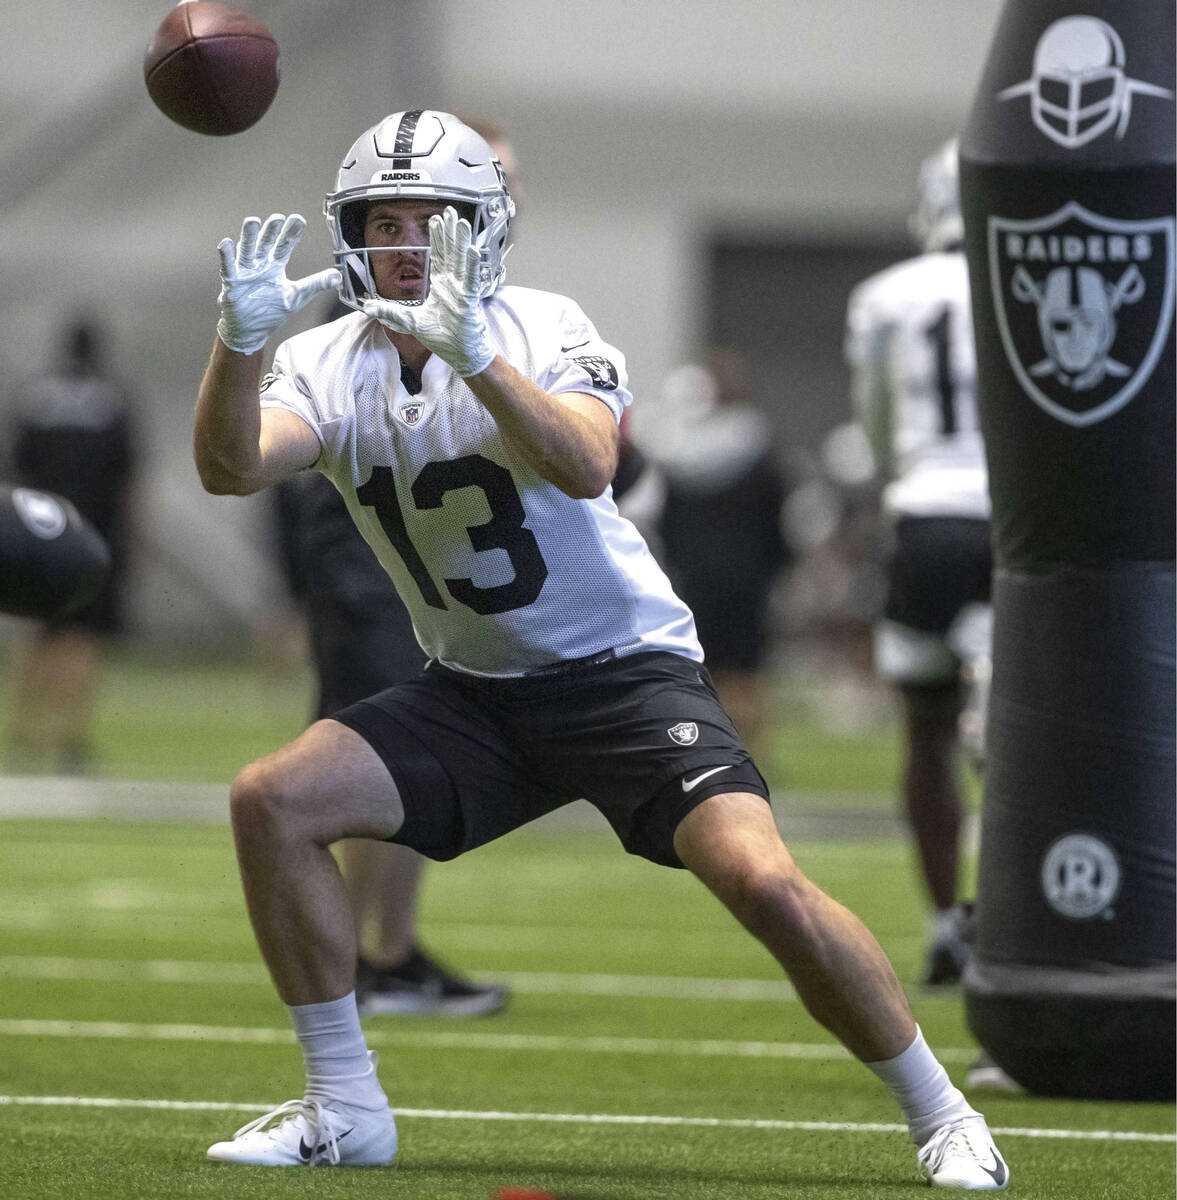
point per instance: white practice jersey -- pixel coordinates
(501, 571)
(909, 343)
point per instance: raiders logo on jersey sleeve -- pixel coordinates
(600, 370)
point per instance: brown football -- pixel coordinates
(211, 68)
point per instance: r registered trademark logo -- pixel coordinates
(1080, 876)
(1083, 304)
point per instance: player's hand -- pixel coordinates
(450, 321)
(256, 297)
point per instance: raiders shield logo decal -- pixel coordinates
(686, 733)
(601, 371)
(1083, 304)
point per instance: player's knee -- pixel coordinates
(261, 802)
(772, 903)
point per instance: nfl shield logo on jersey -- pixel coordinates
(1083, 304)
(686, 733)
(410, 414)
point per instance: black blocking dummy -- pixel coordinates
(52, 560)
(1067, 179)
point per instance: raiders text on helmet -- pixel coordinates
(421, 154)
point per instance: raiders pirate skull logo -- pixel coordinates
(1083, 305)
(686, 733)
(1079, 88)
(601, 371)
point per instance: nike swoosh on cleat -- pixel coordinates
(999, 1173)
(565, 349)
(690, 784)
(305, 1152)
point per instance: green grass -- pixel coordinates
(86, 908)
(79, 898)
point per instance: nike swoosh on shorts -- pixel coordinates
(690, 784)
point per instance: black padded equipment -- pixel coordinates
(52, 560)
(1068, 191)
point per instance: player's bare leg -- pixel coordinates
(935, 813)
(394, 973)
(54, 701)
(287, 809)
(384, 880)
(931, 790)
(842, 976)
(840, 972)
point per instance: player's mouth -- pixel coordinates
(407, 284)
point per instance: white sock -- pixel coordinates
(336, 1055)
(922, 1089)
(945, 925)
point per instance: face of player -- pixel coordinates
(399, 274)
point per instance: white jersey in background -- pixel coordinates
(909, 343)
(501, 571)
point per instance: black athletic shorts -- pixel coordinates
(643, 738)
(940, 565)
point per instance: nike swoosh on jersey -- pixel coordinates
(577, 346)
(690, 784)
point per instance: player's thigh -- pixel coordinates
(731, 843)
(327, 784)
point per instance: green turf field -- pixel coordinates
(134, 1016)
(649, 1050)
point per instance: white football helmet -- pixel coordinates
(937, 222)
(421, 154)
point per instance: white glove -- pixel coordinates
(256, 297)
(450, 321)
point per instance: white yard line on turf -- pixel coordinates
(441, 1114)
(457, 1040)
(545, 983)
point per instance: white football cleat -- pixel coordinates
(313, 1133)
(961, 1154)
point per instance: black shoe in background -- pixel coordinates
(420, 986)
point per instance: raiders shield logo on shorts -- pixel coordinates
(1083, 304)
(686, 733)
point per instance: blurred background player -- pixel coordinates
(361, 642)
(909, 343)
(719, 533)
(73, 435)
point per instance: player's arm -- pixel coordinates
(571, 439)
(239, 446)
(868, 342)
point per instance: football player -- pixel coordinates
(74, 436)
(909, 342)
(472, 429)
